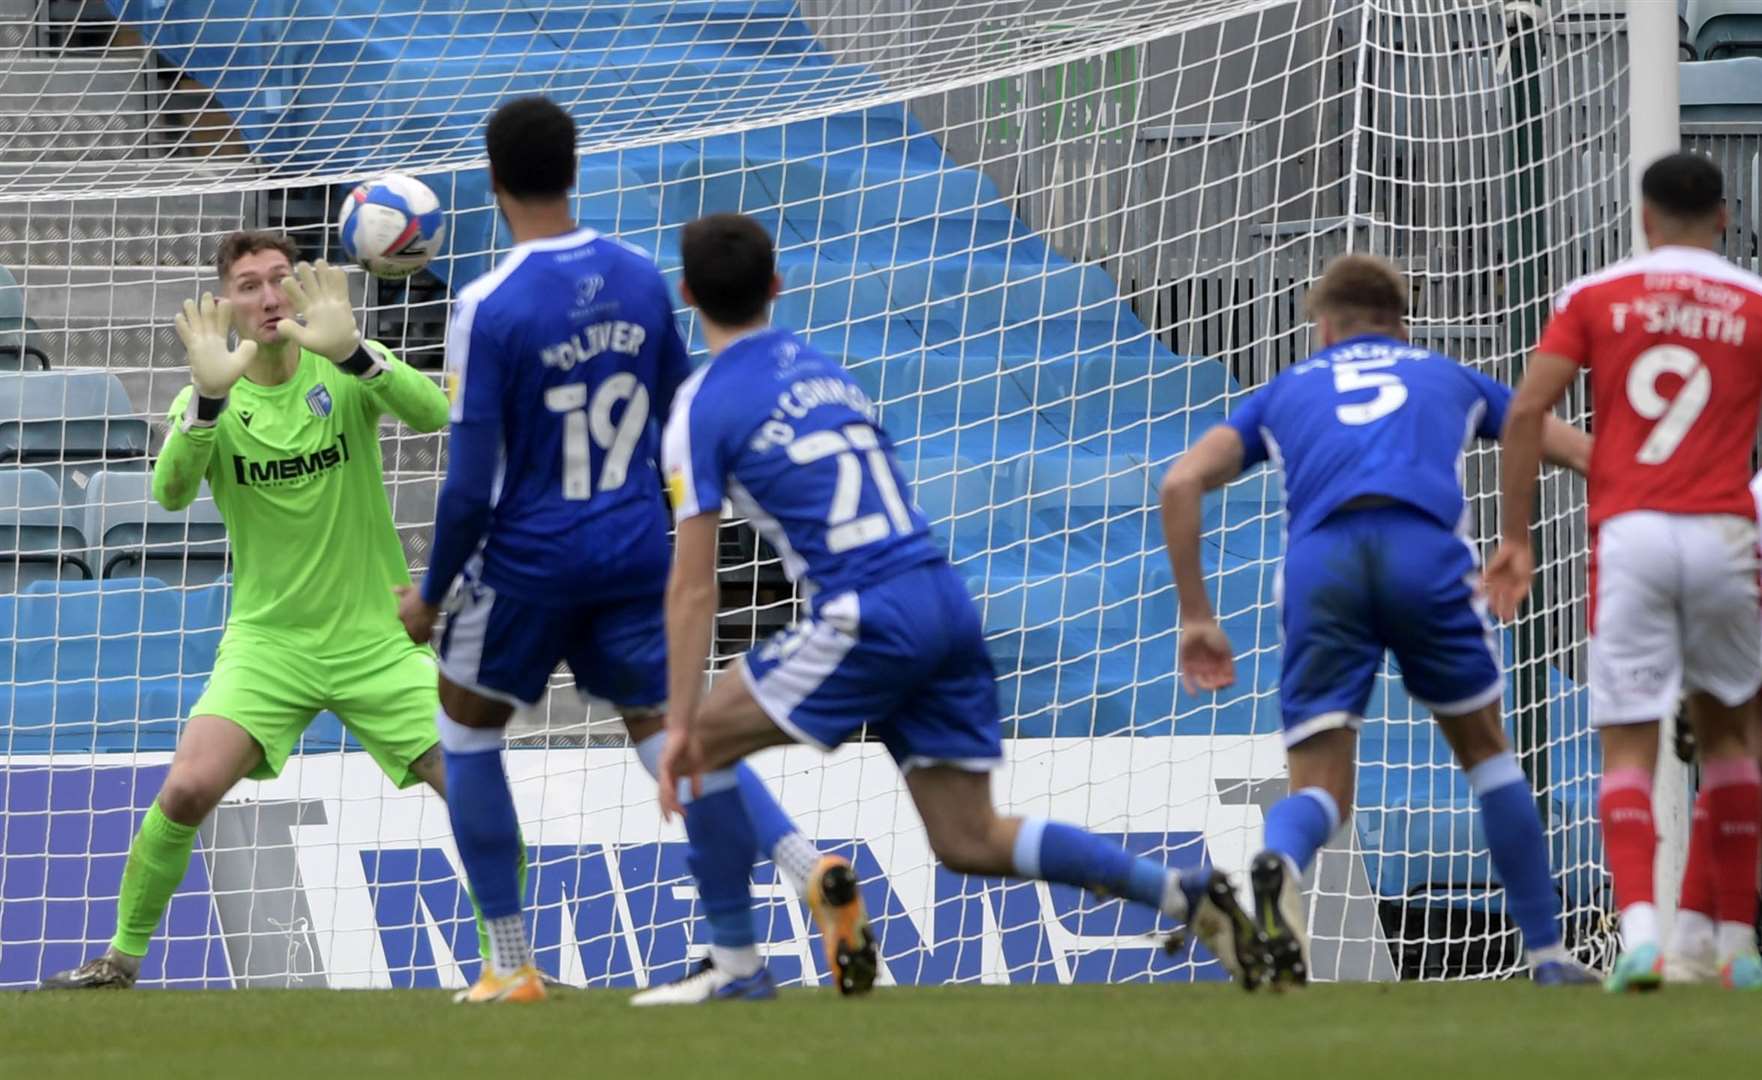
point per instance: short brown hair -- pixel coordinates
(235, 246)
(1360, 290)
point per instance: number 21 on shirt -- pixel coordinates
(585, 417)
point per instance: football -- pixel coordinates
(392, 226)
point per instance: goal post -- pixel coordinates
(1056, 240)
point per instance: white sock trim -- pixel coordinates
(1329, 807)
(1498, 771)
(648, 751)
(509, 950)
(456, 738)
(738, 961)
(795, 857)
(1027, 850)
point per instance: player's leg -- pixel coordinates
(1331, 656)
(496, 653)
(1722, 669)
(245, 724)
(618, 653)
(1636, 658)
(1431, 612)
(1693, 952)
(389, 700)
(946, 737)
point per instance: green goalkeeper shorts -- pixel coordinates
(386, 697)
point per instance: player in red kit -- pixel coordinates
(1673, 343)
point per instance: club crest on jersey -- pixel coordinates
(587, 290)
(318, 400)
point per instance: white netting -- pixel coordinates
(1056, 240)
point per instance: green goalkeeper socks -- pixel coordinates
(156, 863)
(482, 930)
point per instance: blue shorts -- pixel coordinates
(1385, 578)
(505, 648)
(905, 657)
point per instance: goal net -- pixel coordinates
(1056, 240)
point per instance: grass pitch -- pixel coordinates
(1506, 1031)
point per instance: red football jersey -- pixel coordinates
(1673, 343)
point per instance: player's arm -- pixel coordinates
(464, 507)
(1544, 382)
(1216, 459)
(214, 367)
(319, 293)
(696, 471)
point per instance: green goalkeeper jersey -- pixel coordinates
(296, 474)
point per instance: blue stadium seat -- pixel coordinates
(68, 415)
(204, 620)
(132, 535)
(37, 541)
(96, 667)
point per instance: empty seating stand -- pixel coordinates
(131, 535)
(69, 422)
(37, 542)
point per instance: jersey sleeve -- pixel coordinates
(1498, 398)
(475, 366)
(673, 362)
(692, 455)
(1248, 419)
(1567, 333)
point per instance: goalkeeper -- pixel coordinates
(285, 428)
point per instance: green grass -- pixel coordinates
(1506, 1031)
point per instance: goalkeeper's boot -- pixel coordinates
(524, 986)
(837, 907)
(1638, 970)
(1742, 972)
(706, 984)
(1223, 927)
(1278, 916)
(108, 970)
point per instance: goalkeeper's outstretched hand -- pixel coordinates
(320, 295)
(205, 328)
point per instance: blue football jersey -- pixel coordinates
(570, 350)
(790, 440)
(1371, 416)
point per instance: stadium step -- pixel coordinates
(61, 85)
(94, 234)
(84, 138)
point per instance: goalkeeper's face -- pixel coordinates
(258, 303)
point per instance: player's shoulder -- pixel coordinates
(1639, 273)
(484, 291)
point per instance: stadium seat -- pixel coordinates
(132, 535)
(1720, 29)
(204, 619)
(1721, 90)
(17, 352)
(68, 415)
(37, 541)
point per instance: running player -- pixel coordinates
(1370, 433)
(284, 426)
(891, 639)
(564, 359)
(1672, 340)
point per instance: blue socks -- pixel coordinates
(722, 854)
(1520, 851)
(1299, 824)
(481, 809)
(1053, 851)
